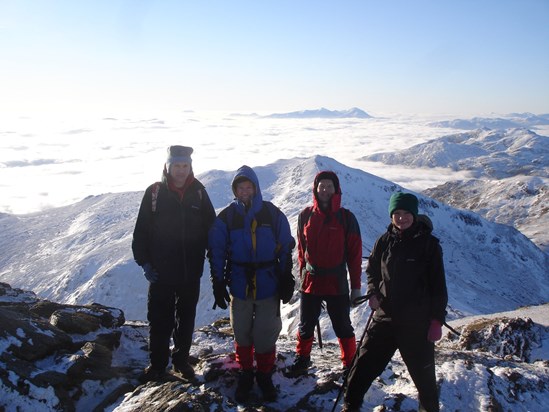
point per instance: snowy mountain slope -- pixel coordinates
(82, 253)
(491, 153)
(511, 169)
(519, 201)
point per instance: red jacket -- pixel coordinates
(329, 244)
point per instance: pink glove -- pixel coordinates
(435, 331)
(374, 302)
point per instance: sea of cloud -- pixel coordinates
(48, 161)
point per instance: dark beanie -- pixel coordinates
(403, 201)
(179, 154)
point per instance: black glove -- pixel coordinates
(221, 295)
(287, 287)
(150, 273)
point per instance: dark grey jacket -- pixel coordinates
(174, 238)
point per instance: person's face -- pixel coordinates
(179, 172)
(402, 219)
(245, 191)
(325, 190)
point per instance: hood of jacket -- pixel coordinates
(248, 173)
(336, 198)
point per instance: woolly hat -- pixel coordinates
(403, 201)
(178, 154)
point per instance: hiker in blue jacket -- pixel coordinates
(250, 251)
(169, 243)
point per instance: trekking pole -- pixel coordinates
(452, 329)
(357, 301)
(318, 331)
(319, 334)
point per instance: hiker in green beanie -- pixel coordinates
(406, 278)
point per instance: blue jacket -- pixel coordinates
(250, 271)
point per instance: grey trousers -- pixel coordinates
(256, 323)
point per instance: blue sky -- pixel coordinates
(440, 56)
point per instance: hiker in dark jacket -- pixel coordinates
(169, 243)
(329, 243)
(406, 279)
(250, 248)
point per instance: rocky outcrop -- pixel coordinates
(56, 357)
(50, 349)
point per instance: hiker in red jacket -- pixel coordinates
(329, 244)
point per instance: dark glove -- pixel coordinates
(435, 331)
(221, 295)
(150, 273)
(287, 287)
(355, 293)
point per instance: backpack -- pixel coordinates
(265, 217)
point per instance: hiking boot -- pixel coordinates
(244, 385)
(151, 374)
(300, 365)
(265, 383)
(349, 408)
(184, 369)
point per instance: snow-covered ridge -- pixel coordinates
(511, 120)
(82, 253)
(489, 153)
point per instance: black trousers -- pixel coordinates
(171, 312)
(338, 307)
(377, 349)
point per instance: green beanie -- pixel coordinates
(403, 201)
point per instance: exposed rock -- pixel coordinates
(503, 337)
(49, 347)
(31, 337)
(41, 364)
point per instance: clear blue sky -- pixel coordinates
(408, 56)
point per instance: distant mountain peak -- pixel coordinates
(354, 112)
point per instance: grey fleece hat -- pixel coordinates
(179, 154)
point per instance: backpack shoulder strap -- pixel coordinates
(273, 214)
(304, 217)
(154, 197)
